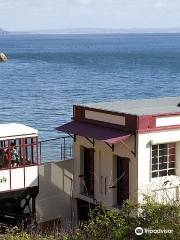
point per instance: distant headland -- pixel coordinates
(95, 31)
(3, 32)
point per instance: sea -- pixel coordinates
(46, 74)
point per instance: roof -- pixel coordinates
(106, 134)
(141, 106)
(16, 129)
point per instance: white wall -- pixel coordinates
(145, 140)
(139, 167)
(104, 166)
(55, 197)
(17, 176)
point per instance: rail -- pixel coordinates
(53, 149)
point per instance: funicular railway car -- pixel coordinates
(19, 161)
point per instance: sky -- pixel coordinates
(20, 15)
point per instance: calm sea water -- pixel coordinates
(46, 74)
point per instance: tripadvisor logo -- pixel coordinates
(139, 231)
(3, 180)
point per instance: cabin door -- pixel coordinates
(89, 171)
(123, 182)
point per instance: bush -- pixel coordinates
(121, 224)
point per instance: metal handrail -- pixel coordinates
(53, 139)
(65, 147)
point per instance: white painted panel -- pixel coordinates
(17, 178)
(16, 129)
(167, 121)
(31, 176)
(163, 136)
(4, 180)
(104, 117)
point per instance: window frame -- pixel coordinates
(23, 145)
(169, 151)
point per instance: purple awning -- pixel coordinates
(83, 129)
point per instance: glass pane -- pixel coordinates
(163, 152)
(29, 155)
(162, 146)
(17, 142)
(154, 174)
(154, 147)
(162, 173)
(6, 143)
(19, 158)
(35, 160)
(163, 159)
(163, 166)
(172, 158)
(154, 167)
(172, 165)
(154, 160)
(31, 140)
(14, 154)
(154, 153)
(171, 145)
(171, 172)
(3, 159)
(171, 151)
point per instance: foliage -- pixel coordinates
(120, 224)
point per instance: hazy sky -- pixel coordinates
(54, 14)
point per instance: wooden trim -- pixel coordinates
(130, 119)
(91, 141)
(128, 148)
(133, 122)
(105, 111)
(110, 146)
(166, 114)
(174, 127)
(78, 112)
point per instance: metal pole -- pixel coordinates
(64, 148)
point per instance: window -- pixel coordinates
(18, 152)
(31, 155)
(163, 160)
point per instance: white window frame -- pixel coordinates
(168, 168)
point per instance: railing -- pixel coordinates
(55, 149)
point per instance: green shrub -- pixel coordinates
(121, 224)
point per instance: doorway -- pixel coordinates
(123, 182)
(89, 171)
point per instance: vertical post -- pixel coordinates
(105, 186)
(70, 151)
(61, 152)
(38, 157)
(33, 206)
(40, 148)
(177, 193)
(64, 142)
(9, 154)
(32, 152)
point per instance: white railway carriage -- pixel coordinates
(19, 161)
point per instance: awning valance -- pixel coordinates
(88, 130)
